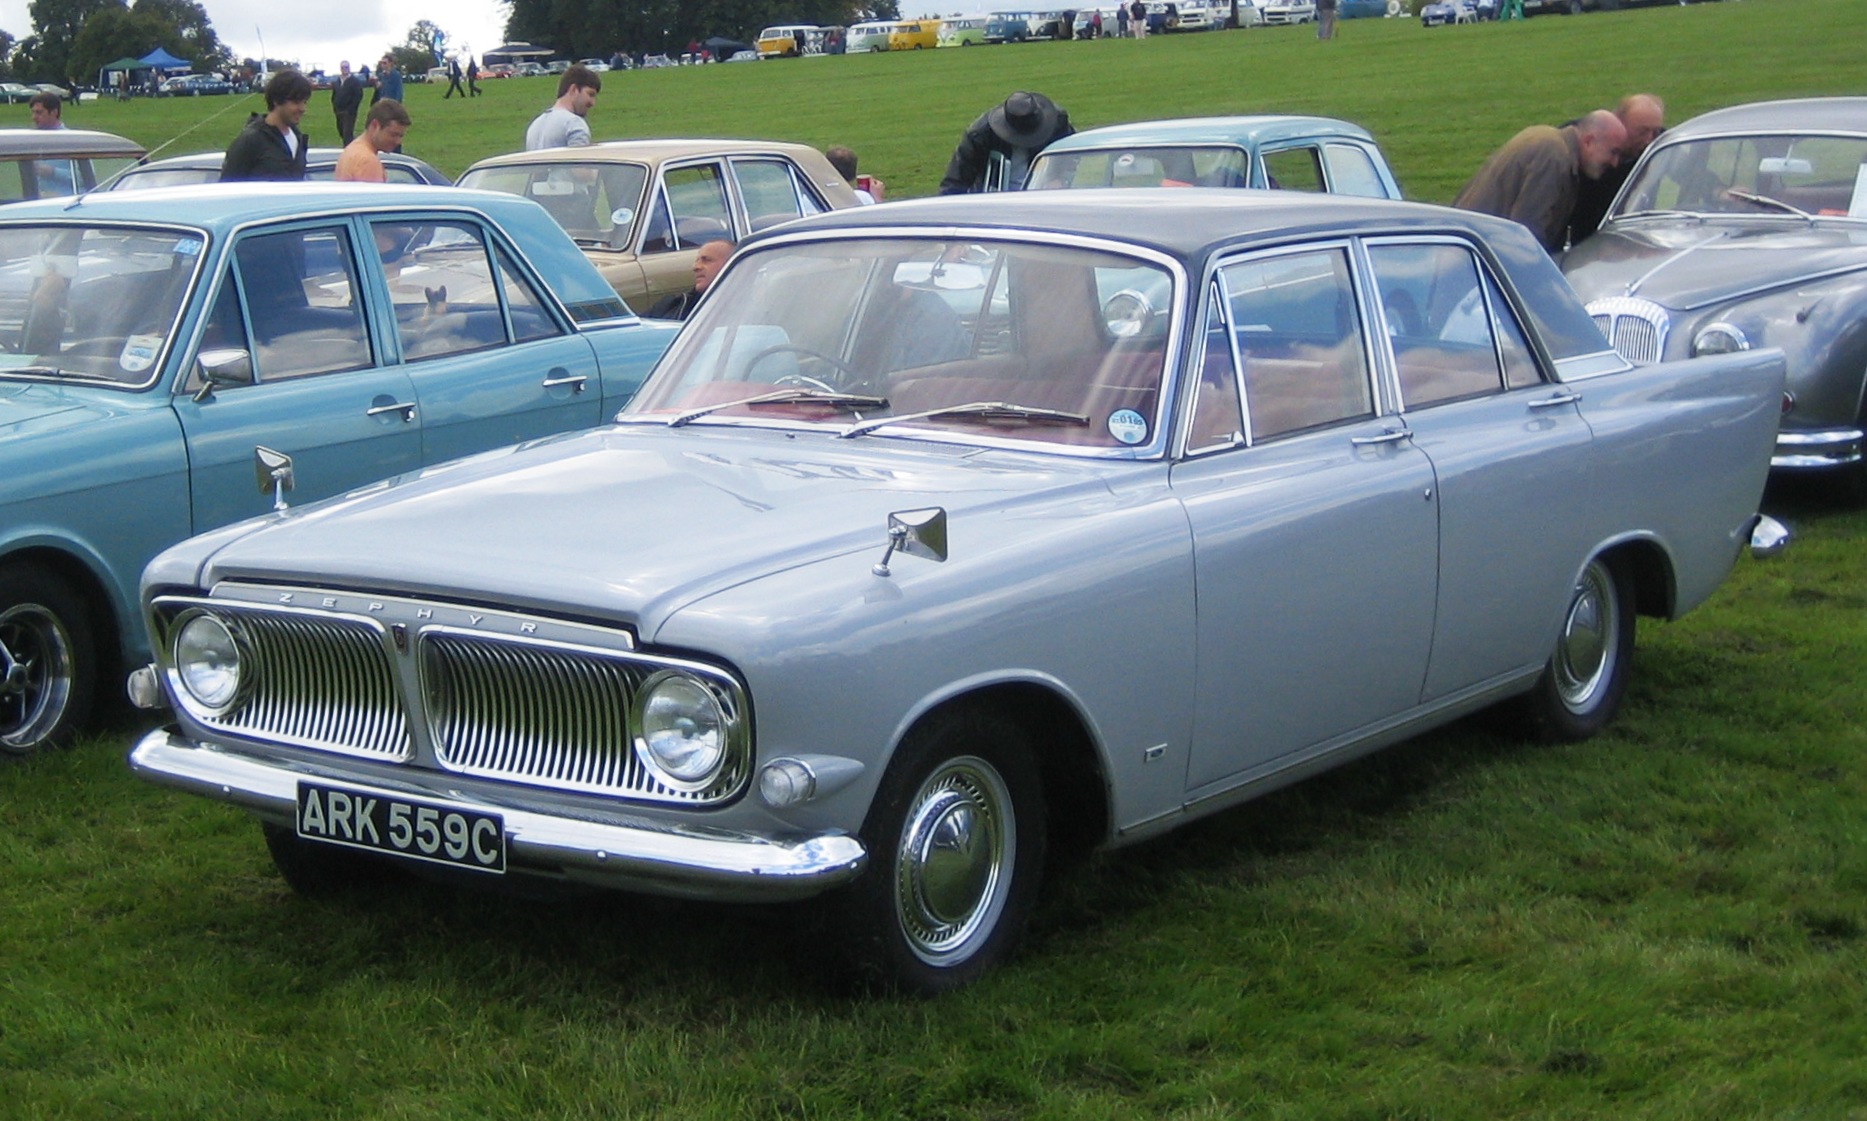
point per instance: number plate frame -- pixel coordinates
(401, 827)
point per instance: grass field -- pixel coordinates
(1667, 922)
(1438, 100)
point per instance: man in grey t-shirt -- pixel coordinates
(563, 125)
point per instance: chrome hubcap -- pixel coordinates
(1584, 656)
(953, 864)
(35, 675)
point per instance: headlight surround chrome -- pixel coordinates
(685, 728)
(1127, 313)
(1719, 338)
(212, 663)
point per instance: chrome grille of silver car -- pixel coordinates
(322, 682)
(541, 712)
(1636, 328)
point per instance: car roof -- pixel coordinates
(212, 160)
(1809, 114)
(648, 151)
(65, 142)
(219, 207)
(1262, 129)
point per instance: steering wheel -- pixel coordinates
(800, 379)
(806, 380)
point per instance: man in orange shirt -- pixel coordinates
(361, 160)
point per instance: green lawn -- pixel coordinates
(1666, 922)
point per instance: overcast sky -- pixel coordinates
(321, 33)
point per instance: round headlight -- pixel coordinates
(1127, 313)
(681, 729)
(207, 661)
(1719, 338)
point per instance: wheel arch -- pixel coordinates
(1648, 568)
(1071, 769)
(85, 578)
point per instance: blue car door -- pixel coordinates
(491, 362)
(298, 371)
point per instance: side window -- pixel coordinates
(225, 331)
(1293, 169)
(13, 179)
(658, 231)
(1299, 337)
(302, 297)
(441, 284)
(1217, 418)
(530, 320)
(769, 191)
(1438, 322)
(1352, 172)
(697, 196)
(1520, 368)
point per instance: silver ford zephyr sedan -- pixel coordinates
(959, 532)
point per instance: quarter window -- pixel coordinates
(1299, 340)
(1352, 172)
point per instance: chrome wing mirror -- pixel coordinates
(918, 533)
(273, 470)
(222, 368)
(1768, 537)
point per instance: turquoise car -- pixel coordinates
(152, 341)
(1285, 152)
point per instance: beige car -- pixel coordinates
(641, 209)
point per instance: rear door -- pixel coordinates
(490, 360)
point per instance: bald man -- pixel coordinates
(1534, 178)
(1644, 117)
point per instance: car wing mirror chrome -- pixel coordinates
(918, 533)
(222, 368)
(274, 473)
(1768, 537)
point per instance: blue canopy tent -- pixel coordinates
(160, 59)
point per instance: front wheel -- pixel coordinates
(48, 665)
(956, 837)
(1582, 684)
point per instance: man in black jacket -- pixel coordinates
(346, 99)
(997, 150)
(271, 146)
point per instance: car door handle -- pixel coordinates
(1391, 436)
(558, 377)
(407, 409)
(1568, 398)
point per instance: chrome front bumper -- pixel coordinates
(642, 856)
(1803, 450)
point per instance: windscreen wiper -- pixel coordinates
(1766, 200)
(786, 397)
(974, 410)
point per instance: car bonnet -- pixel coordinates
(1693, 264)
(631, 523)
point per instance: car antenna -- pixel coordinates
(157, 150)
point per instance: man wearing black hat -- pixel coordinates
(997, 150)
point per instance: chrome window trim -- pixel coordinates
(1373, 373)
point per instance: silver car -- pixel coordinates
(958, 531)
(1747, 228)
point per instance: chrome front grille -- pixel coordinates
(538, 701)
(327, 683)
(1636, 328)
(540, 712)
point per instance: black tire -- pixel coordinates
(320, 871)
(956, 852)
(1586, 676)
(48, 661)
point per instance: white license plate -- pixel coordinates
(404, 827)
